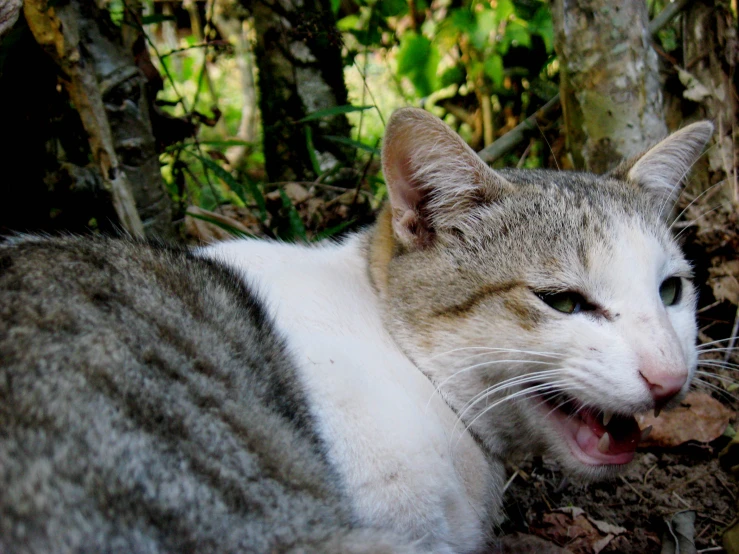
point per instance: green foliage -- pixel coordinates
(451, 57)
(336, 110)
(418, 59)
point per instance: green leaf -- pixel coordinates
(331, 231)
(392, 8)
(504, 10)
(222, 224)
(224, 143)
(494, 69)
(486, 24)
(223, 175)
(353, 143)
(452, 76)
(156, 18)
(541, 24)
(418, 59)
(517, 33)
(311, 150)
(348, 23)
(464, 20)
(335, 110)
(296, 224)
(259, 199)
(335, 5)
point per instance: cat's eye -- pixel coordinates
(567, 302)
(670, 291)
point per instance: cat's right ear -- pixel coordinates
(661, 170)
(434, 179)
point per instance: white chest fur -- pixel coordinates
(388, 435)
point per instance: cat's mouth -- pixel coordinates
(594, 436)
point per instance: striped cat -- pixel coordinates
(254, 396)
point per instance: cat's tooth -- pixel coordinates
(604, 443)
(657, 411)
(607, 415)
(645, 433)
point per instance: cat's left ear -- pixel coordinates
(661, 170)
(435, 181)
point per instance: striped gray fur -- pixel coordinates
(147, 405)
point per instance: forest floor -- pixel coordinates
(630, 514)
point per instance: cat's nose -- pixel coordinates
(663, 385)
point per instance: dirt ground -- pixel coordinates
(657, 484)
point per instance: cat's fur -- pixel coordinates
(146, 403)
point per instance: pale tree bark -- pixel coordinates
(711, 50)
(610, 87)
(107, 90)
(298, 53)
(9, 12)
(233, 22)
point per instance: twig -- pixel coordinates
(508, 141)
(633, 488)
(681, 500)
(666, 15)
(194, 46)
(510, 480)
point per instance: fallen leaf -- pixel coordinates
(679, 537)
(723, 281)
(572, 528)
(700, 417)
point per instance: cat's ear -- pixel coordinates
(434, 179)
(661, 170)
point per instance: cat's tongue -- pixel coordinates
(614, 443)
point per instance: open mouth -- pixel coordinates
(595, 437)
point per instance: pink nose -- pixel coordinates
(662, 385)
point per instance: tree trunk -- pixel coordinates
(107, 89)
(298, 54)
(710, 42)
(610, 87)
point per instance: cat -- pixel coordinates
(359, 396)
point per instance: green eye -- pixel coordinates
(566, 302)
(670, 291)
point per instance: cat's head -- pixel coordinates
(547, 307)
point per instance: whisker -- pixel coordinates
(716, 341)
(716, 388)
(491, 349)
(718, 363)
(719, 377)
(437, 390)
(508, 383)
(694, 200)
(554, 385)
(692, 223)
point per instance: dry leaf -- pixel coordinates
(700, 417)
(723, 281)
(574, 529)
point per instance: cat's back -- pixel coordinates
(146, 405)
